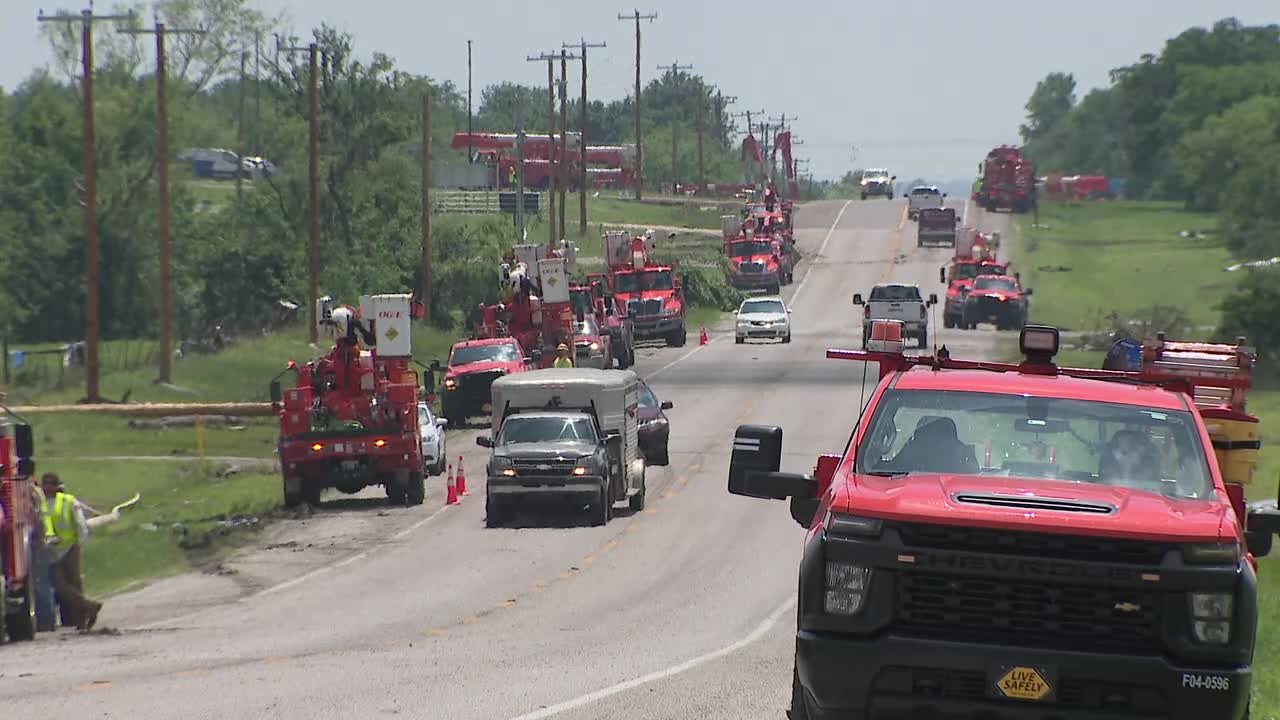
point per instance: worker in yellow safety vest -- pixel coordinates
(563, 360)
(69, 532)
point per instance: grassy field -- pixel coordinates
(1128, 256)
(1092, 260)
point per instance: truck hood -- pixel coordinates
(456, 370)
(762, 317)
(546, 450)
(940, 498)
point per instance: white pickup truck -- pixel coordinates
(924, 196)
(897, 301)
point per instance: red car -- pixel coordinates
(998, 299)
(1018, 541)
(473, 366)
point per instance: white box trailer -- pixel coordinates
(603, 468)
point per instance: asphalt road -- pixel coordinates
(684, 610)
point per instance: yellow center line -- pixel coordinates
(896, 246)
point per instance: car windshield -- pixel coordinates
(936, 431)
(762, 306)
(969, 271)
(895, 292)
(647, 399)
(505, 352)
(994, 284)
(546, 428)
(925, 191)
(747, 249)
(645, 280)
(873, 174)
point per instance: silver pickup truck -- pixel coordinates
(897, 301)
(924, 196)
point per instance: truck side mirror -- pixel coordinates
(484, 441)
(1027, 291)
(857, 298)
(942, 275)
(1262, 524)
(274, 389)
(933, 298)
(755, 462)
(666, 405)
(24, 444)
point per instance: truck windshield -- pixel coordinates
(925, 191)
(895, 292)
(505, 352)
(969, 271)
(933, 431)
(644, 280)
(994, 284)
(546, 428)
(747, 249)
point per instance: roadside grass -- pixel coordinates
(1122, 257)
(185, 515)
(1126, 256)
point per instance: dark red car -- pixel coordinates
(655, 430)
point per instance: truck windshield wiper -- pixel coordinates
(887, 473)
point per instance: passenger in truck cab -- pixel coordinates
(1130, 460)
(935, 446)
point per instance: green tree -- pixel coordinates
(1049, 103)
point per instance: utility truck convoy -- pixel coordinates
(896, 301)
(568, 435)
(1024, 541)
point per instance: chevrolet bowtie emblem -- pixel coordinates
(1127, 607)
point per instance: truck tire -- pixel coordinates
(602, 508)
(787, 338)
(866, 339)
(864, 196)
(395, 491)
(20, 625)
(291, 500)
(678, 337)
(495, 515)
(799, 708)
(417, 491)
(948, 321)
(636, 502)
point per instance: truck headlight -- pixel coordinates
(1211, 554)
(1211, 617)
(450, 384)
(846, 588)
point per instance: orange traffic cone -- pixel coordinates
(451, 498)
(702, 337)
(462, 479)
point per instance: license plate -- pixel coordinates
(349, 464)
(1024, 682)
(339, 447)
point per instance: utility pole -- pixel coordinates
(86, 18)
(564, 134)
(313, 173)
(639, 135)
(424, 282)
(162, 191)
(702, 168)
(469, 141)
(551, 138)
(582, 170)
(675, 69)
(240, 139)
(256, 136)
(519, 173)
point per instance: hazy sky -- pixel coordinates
(924, 88)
